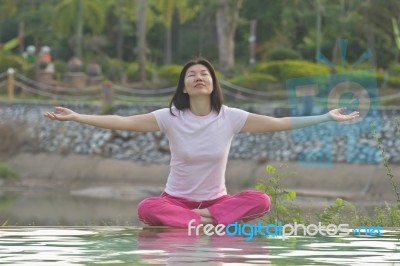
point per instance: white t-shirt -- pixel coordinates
(199, 150)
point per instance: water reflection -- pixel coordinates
(155, 246)
(175, 245)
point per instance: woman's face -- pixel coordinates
(198, 81)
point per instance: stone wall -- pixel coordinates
(69, 137)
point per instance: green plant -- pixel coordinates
(378, 140)
(282, 209)
(6, 172)
(388, 216)
(284, 54)
(133, 74)
(287, 69)
(61, 68)
(170, 74)
(256, 81)
(12, 61)
(336, 213)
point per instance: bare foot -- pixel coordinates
(203, 212)
(206, 220)
(205, 216)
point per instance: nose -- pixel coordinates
(198, 77)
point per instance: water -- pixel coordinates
(144, 246)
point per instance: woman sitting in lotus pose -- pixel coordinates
(200, 130)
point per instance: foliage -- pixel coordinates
(284, 54)
(115, 69)
(170, 74)
(282, 209)
(133, 68)
(65, 16)
(256, 81)
(378, 139)
(6, 172)
(394, 69)
(287, 69)
(61, 68)
(13, 61)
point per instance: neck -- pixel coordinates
(200, 107)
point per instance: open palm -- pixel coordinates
(338, 115)
(61, 114)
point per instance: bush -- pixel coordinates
(256, 81)
(284, 54)
(114, 69)
(170, 74)
(394, 70)
(61, 68)
(6, 172)
(133, 74)
(287, 69)
(16, 62)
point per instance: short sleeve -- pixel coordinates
(162, 116)
(237, 118)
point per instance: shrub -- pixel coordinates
(256, 81)
(170, 74)
(394, 69)
(16, 62)
(61, 68)
(114, 70)
(6, 172)
(287, 69)
(132, 71)
(284, 54)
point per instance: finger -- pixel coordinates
(60, 109)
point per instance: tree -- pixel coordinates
(167, 9)
(141, 39)
(227, 17)
(72, 15)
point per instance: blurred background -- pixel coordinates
(125, 56)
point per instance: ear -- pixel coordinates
(184, 90)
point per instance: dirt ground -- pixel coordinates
(110, 178)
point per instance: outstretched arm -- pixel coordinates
(262, 123)
(141, 123)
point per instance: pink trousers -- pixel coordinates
(177, 212)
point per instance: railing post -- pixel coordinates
(10, 84)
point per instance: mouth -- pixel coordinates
(199, 84)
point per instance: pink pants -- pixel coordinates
(177, 212)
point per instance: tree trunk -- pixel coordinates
(168, 46)
(227, 16)
(21, 36)
(79, 29)
(252, 41)
(120, 37)
(370, 35)
(141, 40)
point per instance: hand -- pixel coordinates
(61, 114)
(337, 115)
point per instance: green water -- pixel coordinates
(138, 246)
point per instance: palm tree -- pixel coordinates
(167, 9)
(71, 15)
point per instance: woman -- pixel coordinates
(200, 130)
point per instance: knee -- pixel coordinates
(260, 200)
(146, 207)
(265, 201)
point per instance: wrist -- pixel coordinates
(328, 117)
